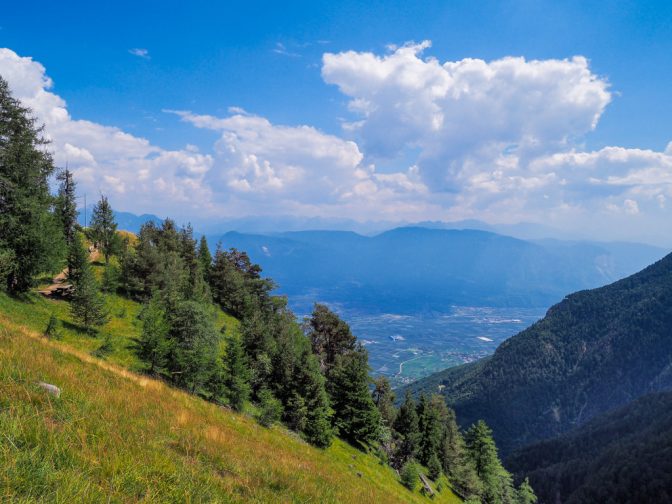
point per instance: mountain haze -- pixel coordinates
(412, 268)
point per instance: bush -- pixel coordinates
(270, 409)
(434, 467)
(106, 348)
(410, 476)
(52, 327)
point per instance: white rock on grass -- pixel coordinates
(51, 389)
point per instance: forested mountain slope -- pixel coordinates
(623, 456)
(594, 351)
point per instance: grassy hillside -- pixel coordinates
(114, 433)
(34, 310)
(594, 351)
(124, 437)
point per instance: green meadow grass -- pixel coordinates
(117, 436)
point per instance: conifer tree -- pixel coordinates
(434, 467)
(497, 482)
(355, 414)
(78, 260)
(330, 336)
(236, 374)
(66, 205)
(410, 475)
(153, 346)
(104, 227)
(406, 429)
(429, 427)
(383, 397)
(31, 241)
(270, 408)
(311, 390)
(88, 304)
(204, 258)
(194, 344)
(526, 494)
(455, 460)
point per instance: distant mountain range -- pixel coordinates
(413, 269)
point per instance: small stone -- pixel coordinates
(51, 389)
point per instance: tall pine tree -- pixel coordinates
(383, 397)
(406, 431)
(31, 241)
(204, 258)
(88, 304)
(153, 345)
(496, 482)
(104, 227)
(355, 414)
(236, 373)
(66, 205)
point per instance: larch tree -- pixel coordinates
(31, 241)
(406, 429)
(104, 227)
(355, 414)
(66, 204)
(88, 304)
(153, 345)
(236, 374)
(384, 397)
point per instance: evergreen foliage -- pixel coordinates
(88, 304)
(153, 346)
(384, 397)
(194, 345)
(526, 494)
(330, 336)
(78, 260)
(104, 228)
(236, 374)
(355, 415)
(205, 258)
(497, 483)
(66, 205)
(270, 409)
(31, 241)
(410, 475)
(407, 431)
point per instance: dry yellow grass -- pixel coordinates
(117, 436)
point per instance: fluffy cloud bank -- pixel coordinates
(301, 169)
(499, 140)
(137, 175)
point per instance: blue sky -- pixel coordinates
(124, 64)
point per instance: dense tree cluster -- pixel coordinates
(268, 361)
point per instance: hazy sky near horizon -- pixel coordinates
(536, 111)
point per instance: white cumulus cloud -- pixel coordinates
(137, 175)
